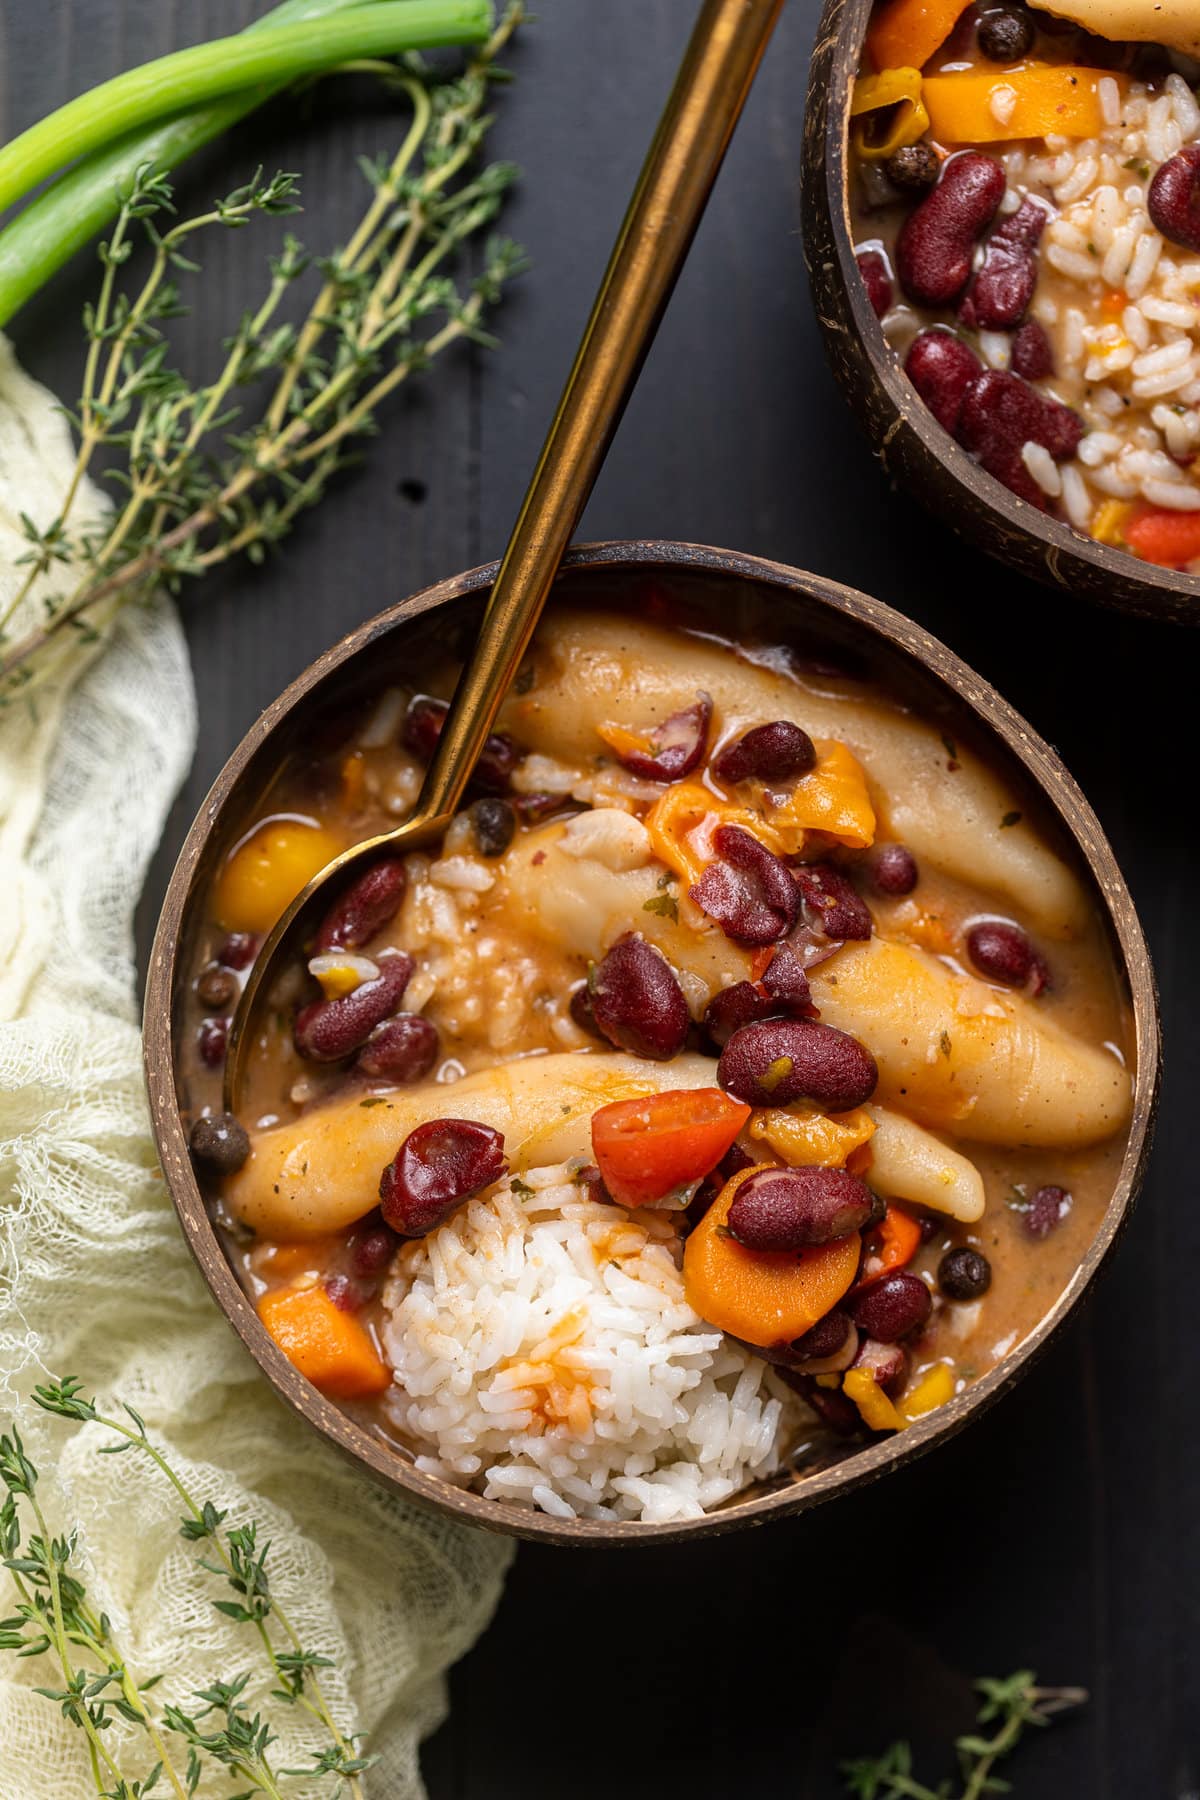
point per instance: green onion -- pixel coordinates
(208, 71)
(71, 212)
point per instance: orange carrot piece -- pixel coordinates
(906, 33)
(762, 1298)
(1159, 535)
(644, 1148)
(892, 1244)
(329, 1347)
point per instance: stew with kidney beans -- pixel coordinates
(740, 941)
(1026, 209)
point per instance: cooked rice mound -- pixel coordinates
(545, 1355)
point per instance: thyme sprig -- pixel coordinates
(200, 482)
(54, 1618)
(1010, 1705)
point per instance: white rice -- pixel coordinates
(1130, 378)
(544, 1354)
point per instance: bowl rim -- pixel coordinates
(1042, 768)
(909, 432)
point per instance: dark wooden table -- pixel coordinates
(1061, 1532)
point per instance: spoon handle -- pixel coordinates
(693, 134)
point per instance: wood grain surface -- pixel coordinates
(1060, 1532)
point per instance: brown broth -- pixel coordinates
(503, 993)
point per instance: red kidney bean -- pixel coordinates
(1001, 952)
(826, 1338)
(678, 744)
(832, 904)
(371, 1250)
(781, 1060)
(1174, 198)
(216, 989)
(637, 1002)
(937, 241)
(876, 280)
(402, 1049)
(888, 1363)
(749, 892)
(239, 950)
(535, 809)
(589, 1177)
(1000, 414)
(1047, 1208)
(830, 1404)
(439, 1165)
(778, 751)
(791, 1209)
(964, 1274)
(786, 981)
(211, 1040)
(942, 367)
(893, 870)
(732, 1007)
(580, 1009)
(221, 1142)
(493, 825)
(368, 904)
(348, 1295)
(892, 1307)
(328, 1030)
(1032, 356)
(998, 298)
(422, 728)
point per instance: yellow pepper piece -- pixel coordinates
(1108, 521)
(1050, 98)
(339, 981)
(267, 870)
(832, 798)
(877, 1410)
(815, 1139)
(905, 33)
(933, 1390)
(897, 91)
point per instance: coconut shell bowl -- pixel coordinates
(917, 454)
(741, 597)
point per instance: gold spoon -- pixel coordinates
(681, 165)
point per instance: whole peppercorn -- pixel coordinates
(1005, 37)
(221, 1142)
(493, 823)
(216, 989)
(913, 167)
(964, 1274)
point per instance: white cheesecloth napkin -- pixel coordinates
(95, 1278)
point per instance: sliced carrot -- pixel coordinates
(906, 33)
(648, 1147)
(761, 1298)
(1159, 535)
(329, 1347)
(974, 108)
(892, 1244)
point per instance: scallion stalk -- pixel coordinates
(67, 215)
(188, 78)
